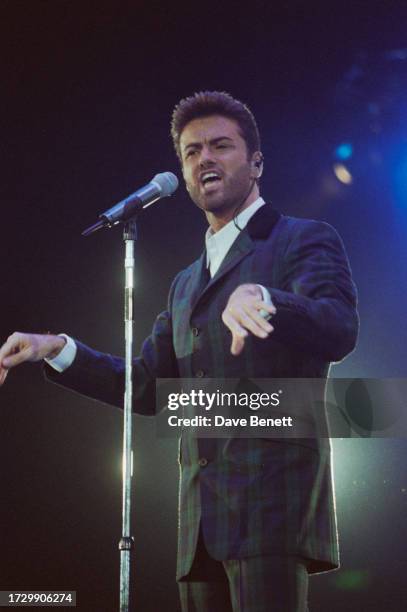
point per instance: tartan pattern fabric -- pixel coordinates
(251, 584)
(254, 496)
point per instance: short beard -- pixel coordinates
(232, 202)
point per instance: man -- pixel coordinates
(256, 515)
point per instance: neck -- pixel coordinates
(219, 218)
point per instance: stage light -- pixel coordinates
(344, 151)
(353, 580)
(342, 174)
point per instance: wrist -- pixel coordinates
(57, 346)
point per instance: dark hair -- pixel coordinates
(207, 103)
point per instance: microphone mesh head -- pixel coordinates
(168, 183)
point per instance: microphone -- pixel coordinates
(161, 186)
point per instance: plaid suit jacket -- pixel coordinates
(251, 496)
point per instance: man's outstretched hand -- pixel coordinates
(242, 315)
(21, 347)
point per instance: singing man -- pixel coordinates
(270, 297)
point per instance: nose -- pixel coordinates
(206, 157)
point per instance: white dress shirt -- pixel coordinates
(219, 243)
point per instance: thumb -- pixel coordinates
(238, 340)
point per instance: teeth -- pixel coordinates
(209, 175)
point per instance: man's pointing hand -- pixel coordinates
(242, 315)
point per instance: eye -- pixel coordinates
(190, 153)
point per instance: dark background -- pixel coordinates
(87, 92)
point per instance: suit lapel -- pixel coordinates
(259, 227)
(198, 280)
(242, 246)
(263, 222)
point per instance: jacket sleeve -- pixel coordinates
(101, 376)
(316, 300)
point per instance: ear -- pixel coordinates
(257, 164)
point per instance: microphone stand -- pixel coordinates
(126, 544)
(162, 185)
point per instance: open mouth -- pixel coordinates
(210, 178)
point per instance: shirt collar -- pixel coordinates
(241, 220)
(218, 243)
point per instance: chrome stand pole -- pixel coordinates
(126, 543)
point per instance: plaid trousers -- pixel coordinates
(269, 583)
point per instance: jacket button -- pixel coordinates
(199, 373)
(195, 331)
(203, 462)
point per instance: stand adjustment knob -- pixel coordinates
(126, 543)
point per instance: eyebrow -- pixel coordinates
(211, 142)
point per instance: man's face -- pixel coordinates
(217, 172)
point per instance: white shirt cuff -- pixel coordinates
(266, 298)
(66, 357)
